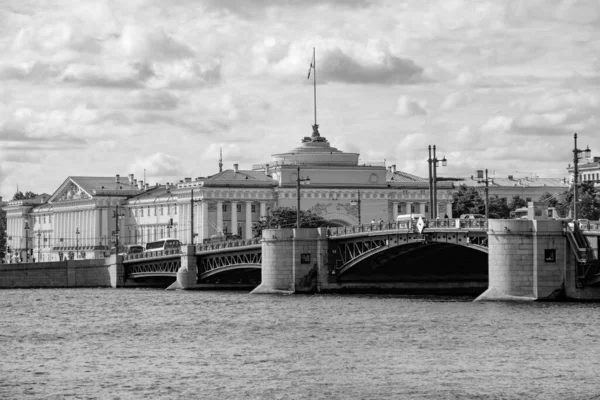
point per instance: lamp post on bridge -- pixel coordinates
(192, 201)
(26, 241)
(577, 154)
(481, 179)
(76, 242)
(39, 234)
(433, 164)
(357, 203)
(117, 215)
(299, 181)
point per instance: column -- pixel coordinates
(422, 208)
(408, 207)
(263, 209)
(248, 220)
(219, 217)
(98, 225)
(394, 211)
(234, 219)
(449, 210)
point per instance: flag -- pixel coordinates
(312, 62)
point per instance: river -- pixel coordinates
(155, 344)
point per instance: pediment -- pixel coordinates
(69, 191)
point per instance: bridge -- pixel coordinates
(242, 259)
(353, 254)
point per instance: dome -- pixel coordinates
(316, 150)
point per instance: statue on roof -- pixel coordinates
(315, 132)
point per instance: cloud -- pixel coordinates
(154, 100)
(152, 44)
(497, 125)
(338, 66)
(158, 165)
(455, 100)
(408, 107)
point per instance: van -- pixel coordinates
(410, 217)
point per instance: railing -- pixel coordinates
(227, 244)
(408, 226)
(152, 254)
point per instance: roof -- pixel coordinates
(91, 183)
(515, 182)
(401, 179)
(239, 177)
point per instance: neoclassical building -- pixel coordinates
(85, 215)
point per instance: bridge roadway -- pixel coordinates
(348, 246)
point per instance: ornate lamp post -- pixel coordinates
(117, 215)
(26, 241)
(39, 234)
(481, 179)
(433, 164)
(299, 181)
(577, 154)
(357, 203)
(77, 242)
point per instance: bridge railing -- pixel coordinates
(408, 226)
(227, 244)
(152, 254)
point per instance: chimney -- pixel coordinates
(267, 170)
(117, 178)
(510, 177)
(141, 184)
(147, 186)
(188, 179)
(235, 167)
(394, 168)
(135, 182)
(131, 179)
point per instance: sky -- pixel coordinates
(98, 88)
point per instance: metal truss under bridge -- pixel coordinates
(153, 268)
(217, 262)
(350, 245)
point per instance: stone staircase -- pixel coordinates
(588, 265)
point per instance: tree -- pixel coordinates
(467, 200)
(20, 196)
(517, 202)
(588, 199)
(285, 217)
(498, 208)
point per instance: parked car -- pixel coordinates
(472, 216)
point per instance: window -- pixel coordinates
(175, 210)
(161, 210)
(253, 207)
(130, 213)
(154, 211)
(44, 219)
(224, 207)
(238, 207)
(141, 212)
(135, 212)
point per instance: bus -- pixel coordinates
(128, 249)
(163, 244)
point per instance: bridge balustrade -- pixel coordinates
(227, 244)
(152, 254)
(408, 226)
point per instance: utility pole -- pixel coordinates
(192, 201)
(357, 203)
(299, 181)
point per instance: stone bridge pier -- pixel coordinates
(293, 260)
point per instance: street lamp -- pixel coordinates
(357, 203)
(39, 234)
(192, 201)
(433, 164)
(76, 242)
(576, 156)
(300, 181)
(117, 216)
(26, 241)
(481, 179)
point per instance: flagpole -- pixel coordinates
(315, 82)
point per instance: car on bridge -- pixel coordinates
(472, 216)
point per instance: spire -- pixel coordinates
(220, 159)
(316, 136)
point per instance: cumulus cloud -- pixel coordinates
(338, 66)
(158, 165)
(154, 100)
(454, 100)
(151, 44)
(408, 107)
